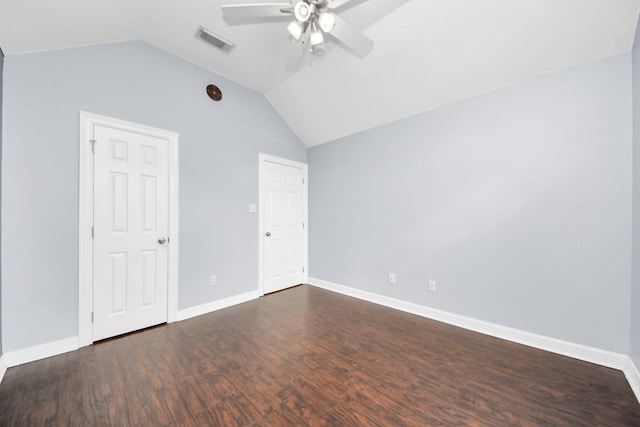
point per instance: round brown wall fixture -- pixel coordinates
(214, 92)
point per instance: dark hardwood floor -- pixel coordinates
(306, 356)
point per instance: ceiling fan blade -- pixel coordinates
(353, 39)
(334, 4)
(257, 10)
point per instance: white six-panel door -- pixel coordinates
(130, 231)
(284, 207)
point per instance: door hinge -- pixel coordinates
(303, 180)
(93, 145)
(92, 317)
(303, 225)
(92, 231)
(303, 269)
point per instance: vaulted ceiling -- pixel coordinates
(427, 53)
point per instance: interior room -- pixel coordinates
(471, 163)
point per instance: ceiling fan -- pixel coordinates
(311, 21)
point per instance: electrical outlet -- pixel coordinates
(432, 286)
(392, 278)
(213, 281)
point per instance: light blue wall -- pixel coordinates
(219, 145)
(635, 292)
(517, 202)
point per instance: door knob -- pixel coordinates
(267, 234)
(162, 240)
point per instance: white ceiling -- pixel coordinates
(427, 53)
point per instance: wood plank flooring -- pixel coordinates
(306, 356)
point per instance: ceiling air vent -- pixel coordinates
(215, 40)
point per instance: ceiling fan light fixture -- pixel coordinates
(326, 21)
(316, 36)
(303, 11)
(296, 29)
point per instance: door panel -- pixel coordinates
(130, 216)
(284, 243)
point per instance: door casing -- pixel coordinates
(262, 160)
(86, 196)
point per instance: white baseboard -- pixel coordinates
(42, 351)
(3, 368)
(199, 310)
(633, 376)
(576, 351)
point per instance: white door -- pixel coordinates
(131, 197)
(284, 216)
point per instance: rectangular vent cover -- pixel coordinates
(215, 40)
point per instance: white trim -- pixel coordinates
(576, 351)
(3, 368)
(633, 376)
(174, 228)
(262, 159)
(209, 307)
(85, 243)
(42, 351)
(588, 354)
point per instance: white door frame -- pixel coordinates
(262, 159)
(85, 239)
